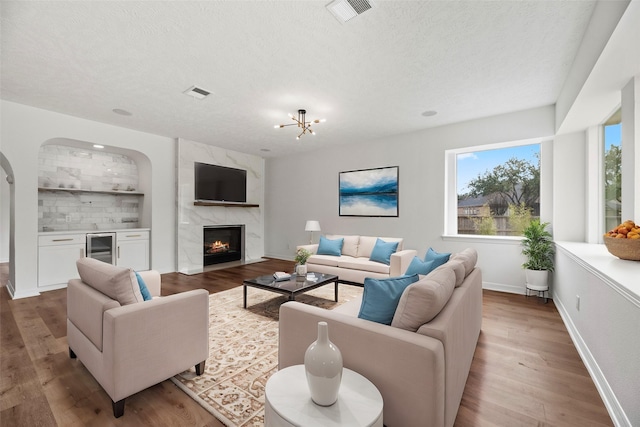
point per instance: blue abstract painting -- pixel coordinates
(369, 192)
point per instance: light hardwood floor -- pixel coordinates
(525, 372)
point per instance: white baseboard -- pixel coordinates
(616, 412)
(12, 292)
(282, 257)
(501, 287)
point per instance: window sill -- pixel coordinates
(473, 238)
(621, 275)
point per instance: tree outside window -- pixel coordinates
(498, 190)
(612, 172)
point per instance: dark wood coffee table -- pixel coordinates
(290, 287)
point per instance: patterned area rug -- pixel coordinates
(243, 351)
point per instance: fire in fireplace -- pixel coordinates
(222, 244)
(217, 247)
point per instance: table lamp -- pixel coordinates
(312, 226)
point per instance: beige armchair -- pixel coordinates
(128, 344)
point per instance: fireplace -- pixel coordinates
(222, 244)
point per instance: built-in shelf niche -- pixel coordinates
(80, 190)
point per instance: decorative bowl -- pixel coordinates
(628, 249)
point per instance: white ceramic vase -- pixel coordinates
(323, 366)
(301, 269)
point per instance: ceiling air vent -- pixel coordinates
(345, 10)
(197, 92)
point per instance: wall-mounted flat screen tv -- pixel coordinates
(220, 183)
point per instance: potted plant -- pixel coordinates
(302, 255)
(539, 250)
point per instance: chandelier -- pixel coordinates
(302, 123)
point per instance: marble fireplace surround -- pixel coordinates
(192, 219)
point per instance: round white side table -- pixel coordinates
(287, 401)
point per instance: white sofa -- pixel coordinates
(353, 265)
(420, 368)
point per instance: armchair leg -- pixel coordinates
(118, 408)
(200, 368)
(72, 355)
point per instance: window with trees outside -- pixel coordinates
(498, 190)
(612, 172)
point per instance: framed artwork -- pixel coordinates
(369, 192)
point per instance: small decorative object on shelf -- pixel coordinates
(323, 367)
(624, 241)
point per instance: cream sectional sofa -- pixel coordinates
(353, 266)
(419, 366)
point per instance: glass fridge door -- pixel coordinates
(101, 247)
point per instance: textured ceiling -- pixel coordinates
(371, 77)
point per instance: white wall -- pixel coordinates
(302, 187)
(569, 196)
(4, 217)
(25, 128)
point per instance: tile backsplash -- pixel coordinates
(74, 168)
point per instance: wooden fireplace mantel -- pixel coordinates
(230, 205)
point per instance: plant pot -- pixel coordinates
(537, 280)
(301, 269)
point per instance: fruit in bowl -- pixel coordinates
(624, 241)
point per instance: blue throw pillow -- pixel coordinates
(146, 295)
(381, 296)
(382, 251)
(330, 247)
(438, 259)
(418, 266)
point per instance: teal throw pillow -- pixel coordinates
(146, 295)
(382, 251)
(437, 258)
(330, 247)
(381, 296)
(418, 266)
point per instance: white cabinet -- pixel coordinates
(133, 249)
(57, 256)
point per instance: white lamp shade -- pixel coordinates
(312, 226)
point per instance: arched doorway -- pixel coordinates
(7, 225)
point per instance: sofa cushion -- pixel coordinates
(324, 260)
(438, 258)
(117, 283)
(380, 297)
(469, 258)
(422, 301)
(330, 247)
(382, 251)
(367, 243)
(350, 245)
(418, 266)
(458, 269)
(362, 264)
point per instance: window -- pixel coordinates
(497, 189)
(612, 171)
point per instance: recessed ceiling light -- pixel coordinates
(121, 112)
(429, 113)
(98, 146)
